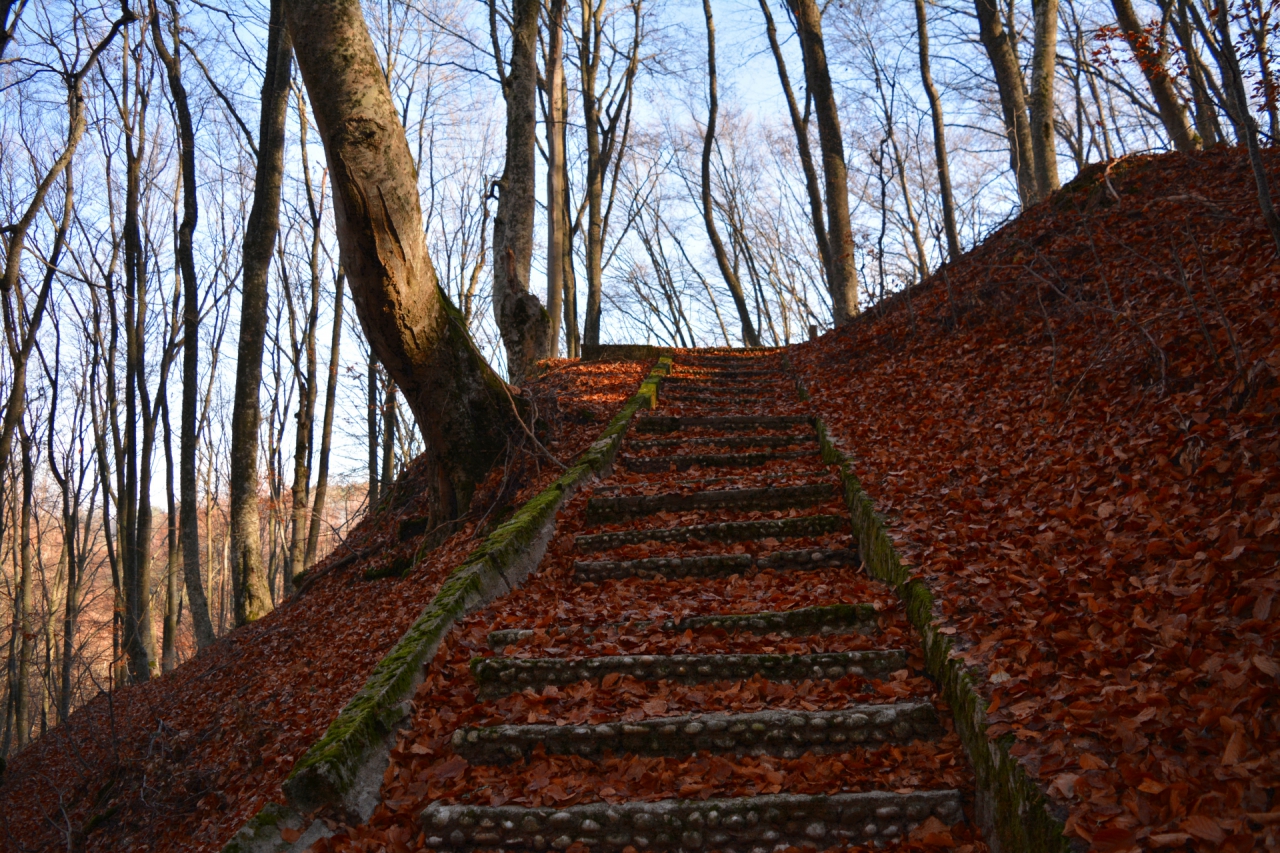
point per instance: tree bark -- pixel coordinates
(800, 125)
(1013, 97)
(462, 408)
(557, 214)
(191, 333)
(939, 135)
(749, 336)
(1044, 57)
(844, 284)
(326, 430)
(1154, 65)
(250, 593)
(522, 321)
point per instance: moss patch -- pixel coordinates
(328, 771)
(1012, 811)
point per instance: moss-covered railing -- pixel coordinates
(345, 767)
(1011, 810)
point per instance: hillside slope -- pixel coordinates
(1073, 434)
(181, 762)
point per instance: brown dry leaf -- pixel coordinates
(1204, 828)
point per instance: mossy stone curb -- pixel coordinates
(1012, 811)
(345, 767)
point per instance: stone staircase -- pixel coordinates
(722, 496)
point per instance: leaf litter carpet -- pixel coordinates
(181, 762)
(1073, 435)
(564, 618)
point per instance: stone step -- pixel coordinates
(804, 622)
(721, 380)
(736, 825)
(604, 510)
(498, 676)
(789, 734)
(711, 565)
(726, 441)
(685, 461)
(722, 531)
(666, 423)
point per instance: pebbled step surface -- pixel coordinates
(723, 531)
(603, 510)
(807, 621)
(727, 441)
(788, 734)
(685, 461)
(500, 676)
(745, 824)
(666, 423)
(711, 565)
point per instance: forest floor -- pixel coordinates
(181, 762)
(1073, 436)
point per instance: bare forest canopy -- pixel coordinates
(202, 386)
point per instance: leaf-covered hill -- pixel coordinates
(181, 762)
(1073, 434)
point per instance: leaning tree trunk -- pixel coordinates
(1044, 59)
(939, 135)
(844, 281)
(1013, 97)
(250, 592)
(461, 406)
(800, 125)
(749, 336)
(1154, 66)
(522, 320)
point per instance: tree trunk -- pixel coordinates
(1044, 57)
(169, 642)
(24, 626)
(250, 592)
(522, 321)
(1233, 81)
(749, 336)
(326, 430)
(1154, 65)
(1013, 97)
(557, 214)
(372, 418)
(389, 438)
(800, 125)
(939, 135)
(462, 408)
(844, 284)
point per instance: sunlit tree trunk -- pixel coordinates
(326, 430)
(1154, 66)
(844, 283)
(462, 408)
(1003, 55)
(557, 215)
(939, 135)
(1044, 58)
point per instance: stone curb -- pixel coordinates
(765, 822)
(711, 565)
(1011, 810)
(500, 676)
(789, 734)
(345, 767)
(723, 531)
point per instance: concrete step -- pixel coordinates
(665, 423)
(605, 510)
(499, 676)
(685, 461)
(804, 622)
(722, 531)
(789, 734)
(726, 441)
(736, 825)
(711, 565)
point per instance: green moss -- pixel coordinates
(325, 773)
(1018, 813)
